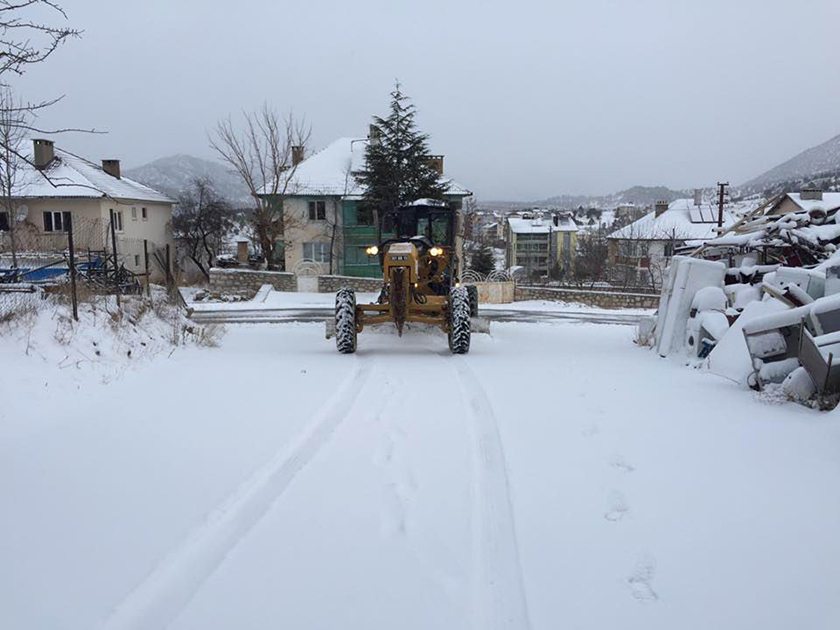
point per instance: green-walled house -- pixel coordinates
(326, 222)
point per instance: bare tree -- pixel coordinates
(26, 41)
(12, 138)
(261, 152)
(200, 223)
(591, 258)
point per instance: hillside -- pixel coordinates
(823, 159)
(637, 195)
(172, 175)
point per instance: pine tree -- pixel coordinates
(482, 260)
(397, 167)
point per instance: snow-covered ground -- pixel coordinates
(272, 300)
(555, 477)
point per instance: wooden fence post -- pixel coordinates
(116, 264)
(73, 298)
(146, 263)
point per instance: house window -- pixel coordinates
(364, 215)
(144, 214)
(4, 221)
(318, 210)
(56, 221)
(319, 252)
(136, 260)
(133, 213)
(118, 220)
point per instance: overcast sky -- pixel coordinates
(526, 99)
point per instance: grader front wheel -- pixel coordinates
(345, 320)
(459, 320)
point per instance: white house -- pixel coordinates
(655, 237)
(59, 187)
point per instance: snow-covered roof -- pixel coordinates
(541, 225)
(681, 221)
(69, 175)
(332, 172)
(830, 201)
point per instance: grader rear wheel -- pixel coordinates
(459, 320)
(472, 290)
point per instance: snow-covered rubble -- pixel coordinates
(772, 328)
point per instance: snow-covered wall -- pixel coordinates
(232, 280)
(601, 299)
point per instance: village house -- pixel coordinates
(325, 220)
(807, 200)
(648, 243)
(536, 241)
(58, 188)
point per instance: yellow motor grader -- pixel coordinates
(420, 283)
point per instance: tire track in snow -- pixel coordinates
(499, 595)
(167, 590)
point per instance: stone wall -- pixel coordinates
(232, 280)
(601, 299)
(636, 290)
(331, 284)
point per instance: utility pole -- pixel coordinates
(721, 192)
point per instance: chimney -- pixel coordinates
(374, 135)
(659, 208)
(698, 196)
(43, 152)
(811, 194)
(556, 219)
(112, 167)
(435, 162)
(297, 154)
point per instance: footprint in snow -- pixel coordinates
(617, 461)
(393, 511)
(590, 431)
(618, 507)
(385, 452)
(640, 580)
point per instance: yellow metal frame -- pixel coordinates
(422, 271)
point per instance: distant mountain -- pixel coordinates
(172, 175)
(637, 195)
(821, 161)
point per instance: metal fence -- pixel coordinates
(76, 257)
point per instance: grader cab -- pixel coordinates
(420, 281)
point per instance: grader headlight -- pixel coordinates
(373, 250)
(435, 251)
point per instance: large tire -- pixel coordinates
(459, 320)
(345, 320)
(472, 290)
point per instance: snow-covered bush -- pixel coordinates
(106, 335)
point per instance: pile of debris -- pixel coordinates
(793, 230)
(771, 327)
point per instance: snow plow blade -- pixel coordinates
(477, 325)
(480, 325)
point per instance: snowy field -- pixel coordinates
(555, 477)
